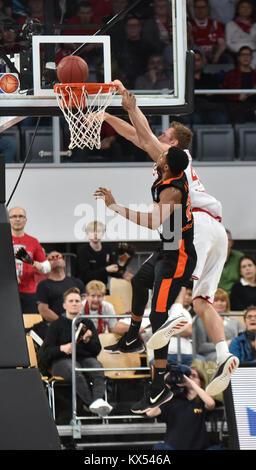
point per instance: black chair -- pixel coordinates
(245, 134)
(214, 143)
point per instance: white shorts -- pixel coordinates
(211, 244)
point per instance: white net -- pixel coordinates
(84, 113)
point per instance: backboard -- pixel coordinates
(35, 96)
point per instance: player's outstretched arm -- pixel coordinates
(148, 141)
(152, 220)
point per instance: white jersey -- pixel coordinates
(200, 199)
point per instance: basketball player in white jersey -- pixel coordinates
(210, 241)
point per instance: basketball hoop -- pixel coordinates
(83, 106)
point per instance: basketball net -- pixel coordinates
(83, 106)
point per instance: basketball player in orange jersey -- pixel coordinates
(172, 266)
(210, 240)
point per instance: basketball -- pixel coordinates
(9, 83)
(72, 69)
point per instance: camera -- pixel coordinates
(176, 376)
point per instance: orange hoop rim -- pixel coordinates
(91, 88)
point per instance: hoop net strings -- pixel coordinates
(84, 114)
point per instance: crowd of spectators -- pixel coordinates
(45, 288)
(216, 31)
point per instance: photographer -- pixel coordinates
(184, 415)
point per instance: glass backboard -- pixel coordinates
(35, 96)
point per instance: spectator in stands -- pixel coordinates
(25, 271)
(244, 345)
(57, 354)
(95, 261)
(243, 293)
(132, 51)
(185, 417)
(9, 40)
(217, 11)
(241, 31)
(232, 327)
(241, 106)
(209, 109)
(84, 16)
(231, 270)
(158, 30)
(208, 34)
(94, 304)
(5, 9)
(35, 10)
(49, 293)
(103, 8)
(157, 76)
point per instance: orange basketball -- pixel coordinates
(9, 83)
(72, 69)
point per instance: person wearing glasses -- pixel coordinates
(25, 271)
(49, 293)
(244, 345)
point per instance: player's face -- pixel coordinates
(161, 162)
(168, 137)
(17, 218)
(73, 304)
(95, 299)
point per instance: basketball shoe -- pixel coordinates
(221, 378)
(125, 345)
(172, 326)
(152, 399)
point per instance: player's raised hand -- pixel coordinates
(106, 195)
(128, 101)
(120, 87)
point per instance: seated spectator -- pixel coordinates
(158, 75)
(26, 270)
(209, 109)
(102, 8)
(49, 293)
(241, 106)
(34, 10)
(6, 7)
(158, 30)
(208, 34)
(84, 16)
(9, 40)
(184, 415)
(232, 327)
(56, 353)
(95, 261)
(241, 31)
(94, 304)
(243, 293)
(231, 270)
(132, 51)
(243, 346)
